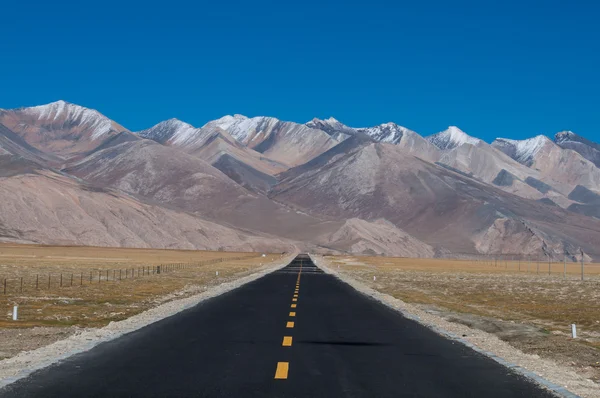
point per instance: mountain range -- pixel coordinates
(70, 175)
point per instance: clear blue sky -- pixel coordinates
(494, 68)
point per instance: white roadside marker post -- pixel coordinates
(217, 273)
(374, 278)
(574, 331)
(15, 312)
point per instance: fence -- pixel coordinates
(545, 263)
(58, 280)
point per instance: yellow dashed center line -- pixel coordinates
(283, 367)
(282, 370)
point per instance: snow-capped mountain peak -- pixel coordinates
(62, 111)
(174, 130)
(330, 123)
(336, 129)
(240, 127)
(564, 136)
(451, 138)
(387, 132)
(586, 148)
(523, 151)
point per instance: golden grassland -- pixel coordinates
(123, 282)
(489, 289)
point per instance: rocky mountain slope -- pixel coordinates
(444, 209)
(41, 206)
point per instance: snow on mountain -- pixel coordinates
(564, 136)
(288, 143)
(586, 148)
(552, 161)
(337, 130)
(386, 132)
(451, 138)
(164, 131)
(242, 128)
(66, 113)
(523, 151)
(61, 129)
(176, 133)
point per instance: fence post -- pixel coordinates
(61, 280)
(81, 282)
(565, 265)
(582, 269)
(48, 281)
(37, 281)
(71, 279)
(5, 286)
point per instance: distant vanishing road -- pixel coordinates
(294, 333)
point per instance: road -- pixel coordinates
(294, 333)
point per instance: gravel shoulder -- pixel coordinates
(56, 344)
(562, 380)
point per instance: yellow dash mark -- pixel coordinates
(287, 341)
(294, 305)
(295, 295)
(289, 325)
(294, 299)
(282, 370)
(292, 313)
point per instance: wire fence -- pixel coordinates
(540, 264)
(58, 280)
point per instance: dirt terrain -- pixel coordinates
(531, 311)
(133, 286)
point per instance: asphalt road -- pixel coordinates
(257, 341)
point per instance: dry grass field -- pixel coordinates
(123, 283)
(532, 311)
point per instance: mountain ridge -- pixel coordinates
(321, 185)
